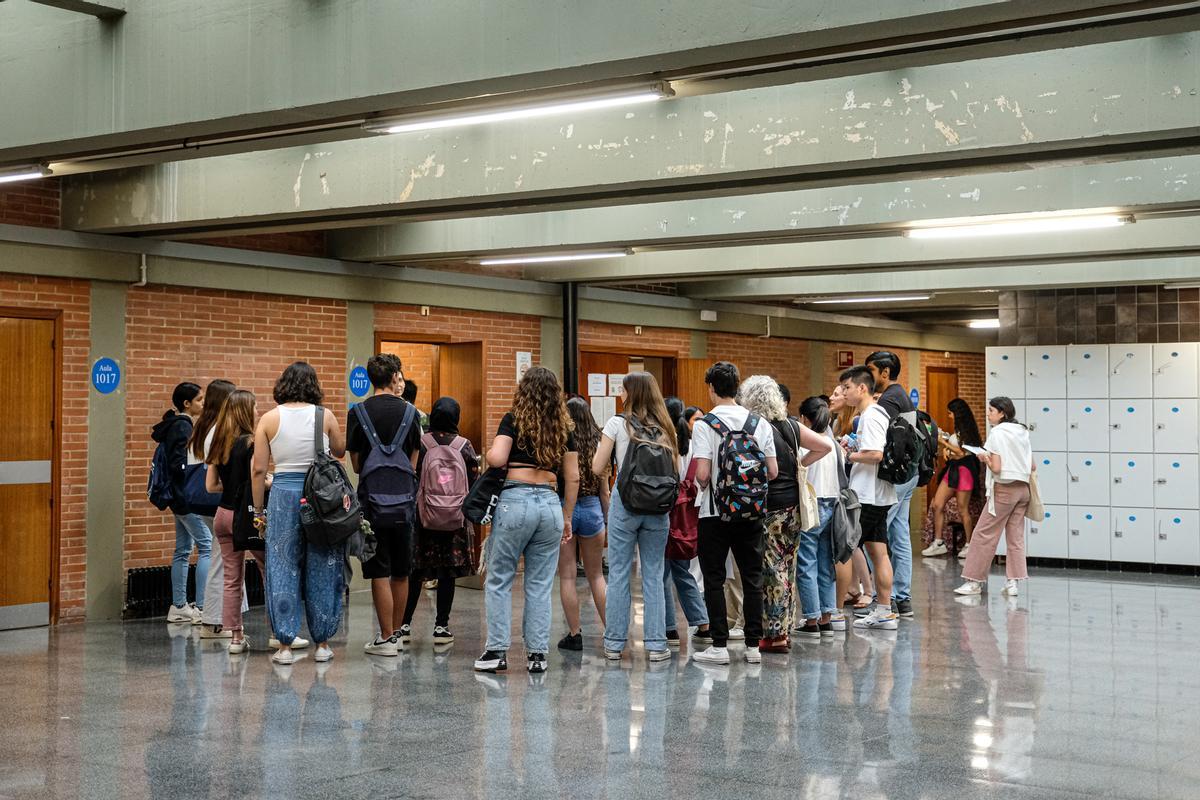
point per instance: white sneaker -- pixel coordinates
(712, 655)
(284, 657)
(1010, 589)
(938, 548)
(177, 614)
(299, 643)
(324, 653)
(838, 621)
(970, 587)
(380, 647)
(236, 648)
(753, 656)
(660, 655)
(197, 614)
(215, 632)
(736, 635)
(612, 655)
(963, 553)
(880, 618)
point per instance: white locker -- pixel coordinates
(1176, 481)
(1005, 367)
(1087, 370)
(1176, 537)
(1052, 477)
(1087, 426)
(1175, 429)
(1089, 537)
(1129, 370)
(1047, 421)
(1132, 479)
(1131, 426)
(1133, 534)
(1046, 371)
(1175, 370)
(1048, 538)
(1087, 479)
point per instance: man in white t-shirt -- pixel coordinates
(876, 496)
(746, 538)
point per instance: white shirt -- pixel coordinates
(864, 478)
(823, 473)
(706, 443)
(208, 440)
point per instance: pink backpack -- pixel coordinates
(443, 486)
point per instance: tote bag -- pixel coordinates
(810, 513)
(1035, 511)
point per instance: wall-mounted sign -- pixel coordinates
(524, 362)
(845, 359)
(915, 396)
(360, 382)
(616, 381)
(106, 376)
(597, 385)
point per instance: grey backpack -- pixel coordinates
(845, 525)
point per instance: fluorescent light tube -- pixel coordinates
(1018, 226)
(1192, 285)
(550, 259)
(23, 173)
(984, 323)
(892, 299)
(425, 122)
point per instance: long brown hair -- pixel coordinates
(587, 439)
(236, 420)
(541, 418)
(644, 402)
(215, 395)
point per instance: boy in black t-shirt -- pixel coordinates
(388, 571)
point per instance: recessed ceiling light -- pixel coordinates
(899, 298)
(984, 323)
(23, 173)
(1018, 226)
(552, 258)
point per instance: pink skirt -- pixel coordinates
(966, 479)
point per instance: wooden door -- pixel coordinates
(591, 363)
(27, 376)
(942, 383)
(690, 385)
(459, 374)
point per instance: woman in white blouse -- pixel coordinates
(1008, 458)
(814, 557)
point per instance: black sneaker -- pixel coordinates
(864, 611)
(442, 635)
(492, 661)
(904, 608)
(826, 629)
(673, 640)
(808, 632)
(895, 607)
(572, 641)
(537, 662)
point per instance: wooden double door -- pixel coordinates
(447, 369)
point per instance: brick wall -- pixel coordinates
(299, 243)
(608, 335)
(36, 203)
(73, 299)
(174, 335)
(786, 360)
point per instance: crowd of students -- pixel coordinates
(765, 524)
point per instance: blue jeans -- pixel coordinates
(900, 541)
(814, 565)
(528, 521)
(677, 575)
(190, 529)
(300, 574)
(649, 533)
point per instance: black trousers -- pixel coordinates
(445, 597)
(747, 540)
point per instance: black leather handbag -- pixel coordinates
(485, 493)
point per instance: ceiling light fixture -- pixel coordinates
(984, 323)
(546, 108)
(23, 173)
(899, 298)
(1186, 285)
(553, 258)
(1012, 227)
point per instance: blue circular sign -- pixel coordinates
(360, 383)
(915, 397)
(106, 376)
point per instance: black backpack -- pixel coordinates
(900, 452)
(648, 480)
(245, 535)
(739, 490)
(329, 510)
(160, 489)
(927, 436)
(387, 485)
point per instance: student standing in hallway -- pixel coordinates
(677, 575)
(199, 443)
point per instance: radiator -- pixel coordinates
(148, 590)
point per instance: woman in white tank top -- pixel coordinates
(285, 436)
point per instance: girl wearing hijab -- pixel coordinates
(442, 555)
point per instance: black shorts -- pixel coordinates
(874, 523)
(394, 556)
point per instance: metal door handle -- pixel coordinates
(1160, 427)
(1033, 426)
(1074, 532)
(1116, 480)
(1161, 481)
(1116, 426)
(1074, 479)
(1162, 536)
(994, 374)
(1074, 426)
(1033, 529)
(1117, 534)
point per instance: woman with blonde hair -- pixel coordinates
(630, 522)
(535, 442)
(795, 447)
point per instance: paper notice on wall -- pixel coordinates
(615, 380)
(596, 384)
(524, 362)
(598, 410)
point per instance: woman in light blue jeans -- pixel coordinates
(815, 576)
(190, 529)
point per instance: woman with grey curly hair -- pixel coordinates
(795, 446)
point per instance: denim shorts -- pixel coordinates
(588, 519)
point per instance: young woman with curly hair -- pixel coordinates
(535, 443)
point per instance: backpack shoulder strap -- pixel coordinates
(428, 442)
(714, 422)
(410, 411)
(318, 430)
(459, 443)
(364, 419)
(751, 425)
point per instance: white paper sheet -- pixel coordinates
(596, 384)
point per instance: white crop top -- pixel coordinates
(292, 446)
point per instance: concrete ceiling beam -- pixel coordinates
(111, 9)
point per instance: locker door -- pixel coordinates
(1087, 371)
(1133, 534)
(1005, 367)
(1089, 539)
(1129, 370)
(1175, 370)
(1132, 479)
(1176, 537)
(1175, 429)
(1048, 538)
(1130, 426)
(1046, 371)
(1176, 481)
(1087, 426)
(1087, 479)
(1052, 477)
(1047, 421)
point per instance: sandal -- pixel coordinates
(851, 598)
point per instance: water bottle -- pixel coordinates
(308, 515)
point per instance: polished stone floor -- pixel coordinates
(1088, 685)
